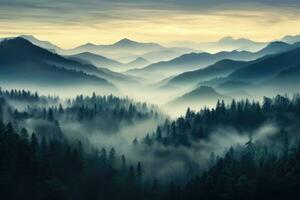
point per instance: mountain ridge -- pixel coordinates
(22, 59)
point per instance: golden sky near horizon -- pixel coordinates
(69, 26)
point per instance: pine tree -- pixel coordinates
(139, 170)
(112, 155)
(123, 162)
(103, 156)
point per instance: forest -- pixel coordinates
(149, 100)
(41, 160)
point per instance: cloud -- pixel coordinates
(107, 9)
(105, 21)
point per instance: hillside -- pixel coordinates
(268, 67)
(201, 96)
(23, 62)
(285, 80)
(25, 49)
(219, 69)
(97, 60)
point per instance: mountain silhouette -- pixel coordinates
(202, 95)
(219, 69)
(228, 40)
(22, 60)
(126, 45)
(285, 80)
(291, 39)
(97, 60)
(44, 44)
(193, 61)
(267, 67)
(234, 86)
(137, 63)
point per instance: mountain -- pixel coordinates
(121, 48)
(104, 62)
(21, 62)
(44, 44)
(97, 60)
(240, 43)
(274, 48)
(219, 69)
(234, 86)
(188, 62)
(166, 54)
(137, 63)
(267, 67)
(288, 79)
(26, 49)
(225, 44)
(291, 39)
(202, 95)
(80, 65)
(127, 50)
(130, 44)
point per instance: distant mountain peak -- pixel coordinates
(290, 36)
(275, 47)
(229, 39)
(125, 41)
(28, 37)
(138, 62)
(16, 41)
(291, 39)
(141, 59)
(44, 44)
(277, 44)
(226, 39)
(131, 43)
(206, 89)
(88, 45)
(200, 94)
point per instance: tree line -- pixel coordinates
(244, 116)
(40, 167)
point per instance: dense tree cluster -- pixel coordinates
(104, 113)
(26, 96)
(107, 110)
(41, 166)
(250, 172)
(38, 168)
(243, 116)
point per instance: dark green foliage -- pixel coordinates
(106, 113)
(244, 116)
(41, 167)
(57, 170)
(240, 175)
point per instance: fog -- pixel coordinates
(166, 162)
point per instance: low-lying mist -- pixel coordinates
(124, 124)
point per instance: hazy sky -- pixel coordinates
(72, 22)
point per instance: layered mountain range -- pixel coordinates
(190, 77)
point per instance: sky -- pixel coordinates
(69, 23)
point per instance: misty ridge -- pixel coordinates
(135, 120)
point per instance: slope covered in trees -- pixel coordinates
(46, 163)
(244, 116)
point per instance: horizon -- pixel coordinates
(169, 44)
(68, 24)
(149, 100)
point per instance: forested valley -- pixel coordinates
(241, 150)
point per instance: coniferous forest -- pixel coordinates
(40, 161)
(149, 100)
